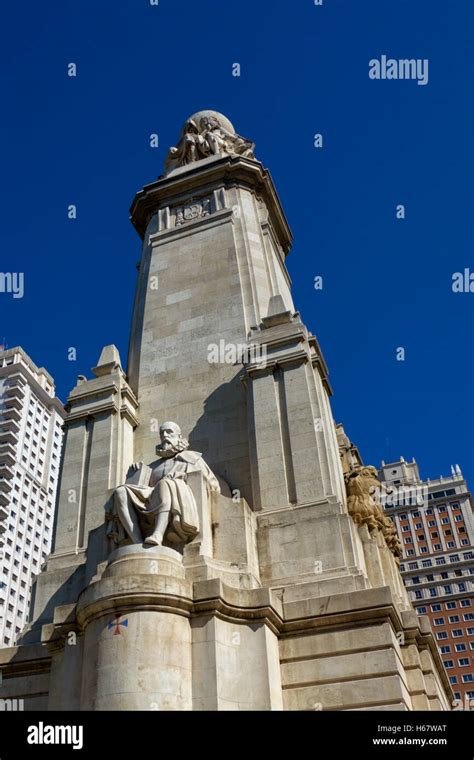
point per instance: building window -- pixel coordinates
(445, 649)
(448, 664)
(468, 616)
(441, 635)
(421, 610)
(461, 647)
(453, 618)
(468, 678)
(418, 594)
(408, 540)
(465, 602)
(433, 592)
(437, 548)
(435, 608)
(453, 680)
(463, 662)
(424, 550)
(457, 633)
(450, 605)
(413, 565)
(447, 589)
(439, 621)
(427, 563)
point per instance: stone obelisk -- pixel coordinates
(273, 581)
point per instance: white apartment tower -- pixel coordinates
(31, 418)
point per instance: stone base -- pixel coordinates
(207, 646)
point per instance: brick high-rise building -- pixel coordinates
(435, 522)
(31, 418)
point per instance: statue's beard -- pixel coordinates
(167, 449)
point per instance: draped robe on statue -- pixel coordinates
(147, 500)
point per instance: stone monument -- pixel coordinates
(251, 568)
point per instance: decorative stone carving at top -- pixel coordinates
(193, 210)
(206, 134)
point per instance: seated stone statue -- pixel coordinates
(165, 504)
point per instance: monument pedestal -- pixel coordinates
(281, 598)
(137, 637)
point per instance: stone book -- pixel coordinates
(140, 477)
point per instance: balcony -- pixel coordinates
(8, 436)
(7, 423)
(6, 472)
(15, 389)
(5, 491)
(7, 454)
(11, 413)
(5, 498)
(12, 402)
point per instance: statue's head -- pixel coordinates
(190, 127)
(209, 122)
(172, 440)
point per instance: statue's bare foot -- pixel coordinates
(154, 540)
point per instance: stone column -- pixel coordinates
(215, 241)
(137, 614)
(98, 450)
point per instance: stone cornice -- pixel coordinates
(231, 171)
(189, 228)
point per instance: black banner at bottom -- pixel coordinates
(380, 734)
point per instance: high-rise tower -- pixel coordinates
(31, 418)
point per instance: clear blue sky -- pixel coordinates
(145, 69)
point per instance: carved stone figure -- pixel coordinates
(156, 502)
(362, 487)
(205, 134)
(391, 537)
(361, 484)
